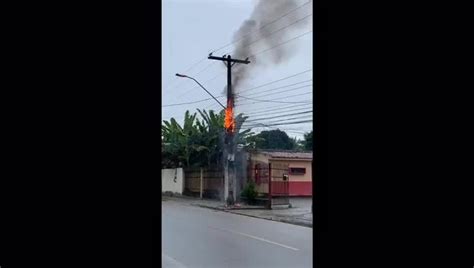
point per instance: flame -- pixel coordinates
(229, 122)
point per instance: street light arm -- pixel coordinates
(182, 75)
(207, 92)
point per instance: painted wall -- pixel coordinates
(172, 180)
(299, 185)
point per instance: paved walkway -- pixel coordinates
(299, 214)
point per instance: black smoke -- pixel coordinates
(266, 12)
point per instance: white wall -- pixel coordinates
(172, 180)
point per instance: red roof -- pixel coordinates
(288, 154)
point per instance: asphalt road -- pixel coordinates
(199, 237)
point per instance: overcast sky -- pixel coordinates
(194, 28)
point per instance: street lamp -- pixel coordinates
(185, 76)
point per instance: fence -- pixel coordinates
(210, 186)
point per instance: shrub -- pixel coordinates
(250, 192)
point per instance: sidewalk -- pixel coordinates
(297, 215)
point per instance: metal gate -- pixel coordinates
(272, 182)
(280, 184)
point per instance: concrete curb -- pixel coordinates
(210, 207)
(226, 209)
(246, 208)
(299, 223)
(176, 195)
(235, 208)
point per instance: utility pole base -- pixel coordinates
(230, 200)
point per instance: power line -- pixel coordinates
(295, 102)
(278, 116)
(277, 99)
(275, 113)
(271, 89)
(284, 130)
(281, 127)
(280, 121)
(192, 66)
(299, 20)
(272, 82)
(284, 97)
(195, 64)
(210, 106)
(205, 68)
(278, 92)
(275, 109)
(238, 40)
(282, 116)
(289, 123)
(296, 37)
(184, 103)
(279, 18)
(263, 51)
(269, 83)
(203, 83)
(188, 90)
(266, 110)
(258, 52)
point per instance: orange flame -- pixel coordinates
(229, 122)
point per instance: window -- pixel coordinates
(297, 171)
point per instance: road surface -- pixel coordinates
(199, 237)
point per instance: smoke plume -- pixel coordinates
(266, 12)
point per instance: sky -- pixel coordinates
(191, 29)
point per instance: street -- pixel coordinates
(199, 237)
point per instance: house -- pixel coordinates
(291, 171)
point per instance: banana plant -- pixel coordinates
(199, 141)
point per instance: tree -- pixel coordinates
(275, 139)
(297, 144)
(212, 128)
(176, 140)
(246, 137)
(307, 143)
(200, 141)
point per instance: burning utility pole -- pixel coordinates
(229, 125)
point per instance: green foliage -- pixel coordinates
(247, 138)
(307, 143)
(198, 143)
(253, 140)
(178, 141)
(250, 192)
(275, 139)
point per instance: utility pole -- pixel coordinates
(229, 157)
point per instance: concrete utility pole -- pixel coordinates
(229, 169)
